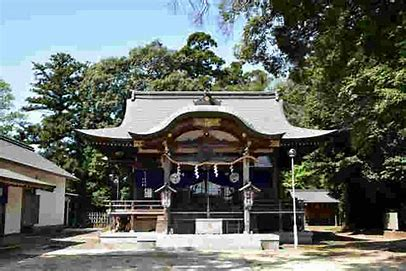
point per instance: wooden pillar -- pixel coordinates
(133, 183)
(113, 223)
(166, 165)
(135, 193)
(67, 211)
(280, 216)
(162, 222)
(246, 171)
(132, 228)
(132, 218)
(275, 173)
(206, 191)
(246, 176)
(246, 220)
(112, 219)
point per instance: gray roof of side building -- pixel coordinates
(150, 112)
(13, 178)
(314, 196)
(20, 153)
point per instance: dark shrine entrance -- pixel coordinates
(210, 196)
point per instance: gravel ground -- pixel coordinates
(84, 252)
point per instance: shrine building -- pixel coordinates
(203, 162)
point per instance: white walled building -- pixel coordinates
(32, 188)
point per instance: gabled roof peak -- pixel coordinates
(200, 94)
(207, 99)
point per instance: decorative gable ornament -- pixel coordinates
(207, 99)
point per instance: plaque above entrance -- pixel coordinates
(209, 225)
(207, 122)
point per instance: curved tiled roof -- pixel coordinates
(150, 112)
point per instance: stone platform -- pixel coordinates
(194, 241)
(219, 241)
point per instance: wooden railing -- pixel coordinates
(260, 206)
(117, 206)
(98, 219)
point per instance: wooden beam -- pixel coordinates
(217, 150)
(264, 150)
(166, 165)
(275, 173)
(246, 176)
(147, 151)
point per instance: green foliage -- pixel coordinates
(369, 101)
(9, 120)
(346, 63)
(197, 57)
(305, 177)
(96, 171)
(279, 33)
(234, 79)
(56, 87)
(103, 91)
(125, 193)
(100, 195)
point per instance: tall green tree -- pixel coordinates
(10, 120)
(347, 70)
(149, 63)
(197, 57)
(103, 91)
(56, 92)
(59, 94)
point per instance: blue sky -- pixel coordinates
(32, 30)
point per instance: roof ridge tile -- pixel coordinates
(16, 142)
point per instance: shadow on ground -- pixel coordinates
(330, 252)
(320, 237)
(393, 246)
(152, 260)
(21, 246)
(332, 240)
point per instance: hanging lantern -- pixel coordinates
(165, 192)
(231, 169)
(166, 198)
(248, 198)
(248, 191)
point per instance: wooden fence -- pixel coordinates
(98, 219)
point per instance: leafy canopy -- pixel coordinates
(9, 120)
(346, 63)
